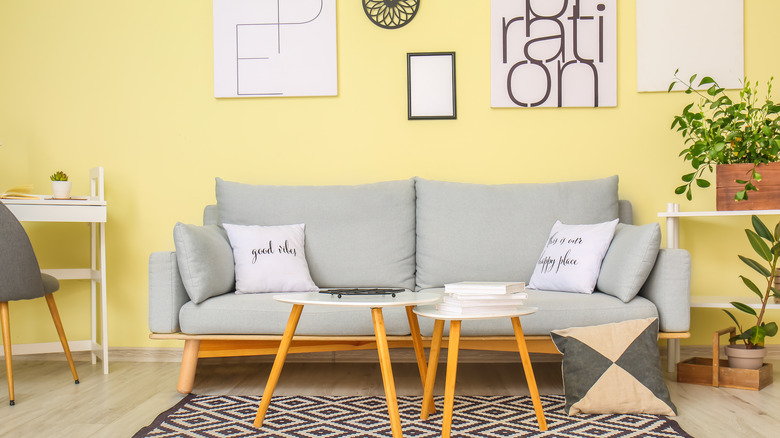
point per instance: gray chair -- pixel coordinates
(21, 279)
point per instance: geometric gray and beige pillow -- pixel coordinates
(613, 369)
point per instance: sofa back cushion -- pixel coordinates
(356, 236)
(497, 232)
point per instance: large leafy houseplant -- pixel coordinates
(722, 130)
(767, 245)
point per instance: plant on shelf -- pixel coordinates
(766, 244)
(59, 176)
(719, 130)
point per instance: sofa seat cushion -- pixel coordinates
(260, 314)
(356, 236)
(557, 310)
(476, 232)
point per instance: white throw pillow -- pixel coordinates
(270, 258)
(571, 259)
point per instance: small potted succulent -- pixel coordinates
(766, 244)
(60, 185)
(737, 138)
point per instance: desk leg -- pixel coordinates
(387, 371)
(419, 350)
(93, 288)
(452, 372)
(103, 298)
(276, 370)
(529, 373)
(430, 378)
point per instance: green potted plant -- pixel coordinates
(767, 245)
(60, 185)
(720, 130)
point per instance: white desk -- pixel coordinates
(92, 211)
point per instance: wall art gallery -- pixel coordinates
(553, 53)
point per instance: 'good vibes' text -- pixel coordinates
(282, 249)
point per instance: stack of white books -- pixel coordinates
(479, 297)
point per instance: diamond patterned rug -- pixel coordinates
(366, 416)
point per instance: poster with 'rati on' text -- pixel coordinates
(559, 53)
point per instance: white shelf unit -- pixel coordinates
(673, 216)
(724, 302)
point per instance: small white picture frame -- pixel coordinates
(431, 85)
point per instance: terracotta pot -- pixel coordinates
(766, 198)
(741, 357)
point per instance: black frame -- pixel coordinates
(410, 98)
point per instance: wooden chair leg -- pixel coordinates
(55, 316)
(6, 325)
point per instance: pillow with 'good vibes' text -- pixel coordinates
(270, 258)
(571, 259)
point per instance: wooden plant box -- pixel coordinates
(766, 198)
(700, 370)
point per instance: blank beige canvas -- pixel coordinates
(705, 37)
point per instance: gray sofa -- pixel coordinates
(416, 234)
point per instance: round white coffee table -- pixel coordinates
(406, 299)
(452, 358)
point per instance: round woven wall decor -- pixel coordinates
(391, 14)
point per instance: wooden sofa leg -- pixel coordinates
(189, 362)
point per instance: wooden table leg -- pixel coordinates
(419, 350)
(452, 371)
(529, 373)
(281, 355)
(387, 371)
(433, 362)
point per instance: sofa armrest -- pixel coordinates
(166, 292)
(669, 288)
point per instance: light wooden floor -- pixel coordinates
(49, 404)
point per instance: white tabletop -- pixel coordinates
(406, 298)
(82, 209)
(432, 312)
(48, 200)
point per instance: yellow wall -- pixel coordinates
(129, 86)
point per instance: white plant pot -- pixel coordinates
(741, 357)
(61, 189)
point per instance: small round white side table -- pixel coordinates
(452, 358)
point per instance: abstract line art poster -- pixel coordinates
(558, 53)
(275, 48)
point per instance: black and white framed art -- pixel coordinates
(431, 85)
